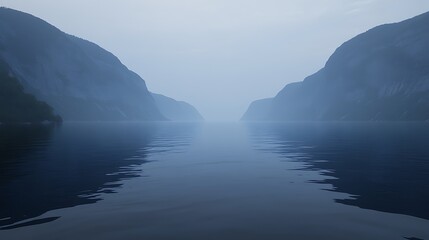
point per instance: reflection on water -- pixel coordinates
(45, 168)
(384, 166)
(214, 181)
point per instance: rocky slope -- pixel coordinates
(79, 79)
(382, 74)
(16, 106)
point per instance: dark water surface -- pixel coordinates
(215, 181)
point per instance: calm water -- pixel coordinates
(215, 181)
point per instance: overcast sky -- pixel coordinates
(219, 55)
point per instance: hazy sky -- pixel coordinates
(220, 55)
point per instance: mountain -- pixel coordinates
(176, 110)
(79, 79)
(16, 106)
(380, 75)
(259, 110)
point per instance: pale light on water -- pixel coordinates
(215, 181)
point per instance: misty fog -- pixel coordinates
(219, 56)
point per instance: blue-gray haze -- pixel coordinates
(219, 55)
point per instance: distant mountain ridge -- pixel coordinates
(79, 79)
(380, 75)
(176, 110)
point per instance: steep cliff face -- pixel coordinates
(176, 110)
(79, 79)
(382, 74)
